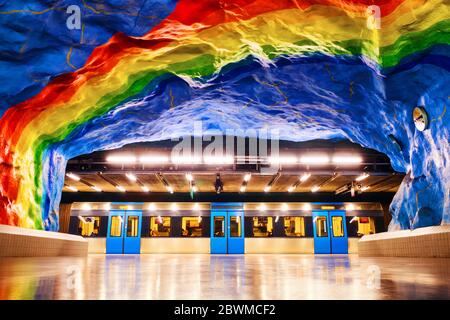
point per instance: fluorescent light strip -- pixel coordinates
(121, 159)
(121, 189)
(71, 188)
(362, 177)
(156, 159)
(315, 160)
(218, 160)
(283, 160)
(305, 177)
(96, 189)
(343, 159)
(73, 176)
(131, 176)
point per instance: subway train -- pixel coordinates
(225, 228)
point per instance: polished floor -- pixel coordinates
(224, 277)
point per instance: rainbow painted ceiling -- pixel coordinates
(145, 70)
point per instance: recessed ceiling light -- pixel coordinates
(346, 159)
(121, 189)
(267, 188)
(284, 207)
(362, 177)
(73, 176)
(121, 159)
(96, 188)
(145, 189)
(307, 207)
(315, 189)
(283, 160)
(71, 188)
(189, 177)
(218, 160)
(243, 189)
(247, 177)
(262, 207)
(169, 189)
(305, 177)
(315, 159)
(153, 159)
(131, 176)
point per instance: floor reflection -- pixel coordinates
(224, 277)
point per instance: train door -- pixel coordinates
(338, 232)
(219, 232)
(227, 230)
(114, 238)
(330, 232)
(124, 232)
(132, 234)
(236, 232)
(322, 243)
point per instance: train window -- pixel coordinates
(338, 227)
(116, 226)
(235, 227)
(294, 226)
(191, 226)
(160, 226)
(219, 227)
(132, 226)
(366, 225)
(88, 226)
(262, 226)
(321, 226)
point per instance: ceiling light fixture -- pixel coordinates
(120, 188)
(145, 189)
(307, 207)
(73, 176)
(243, 189)
(315, 188)
(71, 188)
(346, 159)
(169, 189)
(218, 160)
(131, 176)
(153, 159)
(283, 160)
(365, 175)
(315, 160)
(121, 159)
(284, 207)
(189, 177)
(247, 177)
(305, 177)
(96, 189)
(186, 160)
